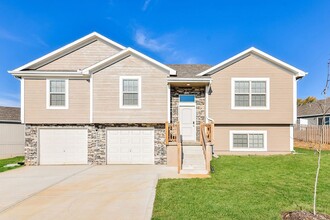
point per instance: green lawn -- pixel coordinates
(3, 162)
(247, 187)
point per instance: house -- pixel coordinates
(312, 113)
(12, 140)
(95, 101)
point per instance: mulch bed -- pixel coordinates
(304, 215)
(310, 145)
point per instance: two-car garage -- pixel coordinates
(59, 146)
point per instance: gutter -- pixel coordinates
(32, 73)
(10, 121)
(189, 80)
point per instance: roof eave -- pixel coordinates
(123, 54)
(85, 39)
(48, 74)
(297, 72)
(189, 80)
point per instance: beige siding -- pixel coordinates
(82, 57)
(35, 103)
(281, 94)
(278, 139)
(106, 93)
(11, 140)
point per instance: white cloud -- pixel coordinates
(155, 44)
(146, 4)
(9, 36)
(9, 102)
(10, 99)
(163, 46)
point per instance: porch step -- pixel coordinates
(193, 171)
(193, 160)
(191, 143)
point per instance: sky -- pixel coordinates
(179, 31)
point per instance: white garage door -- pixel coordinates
(63, 146)
(130, 146)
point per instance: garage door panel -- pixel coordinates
(136, 146)
(125, 149)
(63, 146)
(124, 140)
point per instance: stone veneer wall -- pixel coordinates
(96, 141)
(199, 93)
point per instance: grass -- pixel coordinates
(247, 187)
(4, 162)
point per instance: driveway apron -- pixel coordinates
(85, 192)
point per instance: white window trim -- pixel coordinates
(48, 106)
(233, 80)
(231, 140)
(121, 79)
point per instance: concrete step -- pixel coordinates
(191, 143)
(193, 167)
(200, 160)
(193, 171)
(193, 160)
(193, 164)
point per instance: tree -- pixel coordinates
(300, 102)
(307, 100)
(325, 109)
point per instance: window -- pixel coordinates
(57, 93)
(187, 98)
(248, 140)
(320, 120)
(250, 93)
(130, 92)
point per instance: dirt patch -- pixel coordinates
(303, 215)
(310, 145)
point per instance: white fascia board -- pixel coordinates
(172, 71)
(123, 54)
(107, 61)
(39, 74)
(297, 72)
(69, 46)
(189, 80)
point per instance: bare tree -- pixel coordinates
(325, 110)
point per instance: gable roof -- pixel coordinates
(297, 72)
(121, 55)
(9, 114)
(313, 109)
(67, 49)
(189, 70)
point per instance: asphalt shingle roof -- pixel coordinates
(10, 113)
(189, 70)
(313, 108)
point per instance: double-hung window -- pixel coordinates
(57, 93)
(248, 140)
(250, 93)
(130, 92)
(320, 120)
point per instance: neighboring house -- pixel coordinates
(12, 139)
(312, 113)
(97, 102)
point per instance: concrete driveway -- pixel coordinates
(80, 192)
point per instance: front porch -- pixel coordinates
(190, 157)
